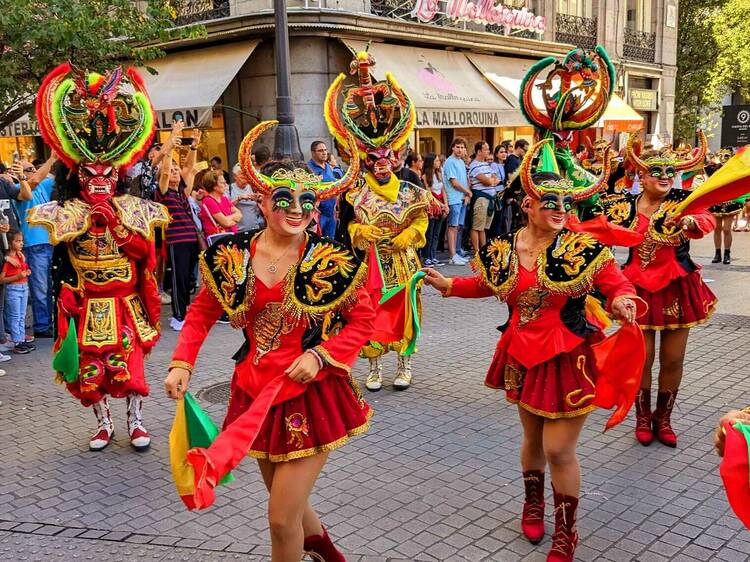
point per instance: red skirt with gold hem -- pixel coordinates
(684, 303)
(320, 419)
(562, 387)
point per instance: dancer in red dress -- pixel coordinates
(544, 360)
(664, 276)
(300, 302)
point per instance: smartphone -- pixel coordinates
(187, 141)
(178, 116)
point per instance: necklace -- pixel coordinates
(271, 267)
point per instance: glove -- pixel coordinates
(402, 241)
(68, 302)
(103, 214)
(368, 233)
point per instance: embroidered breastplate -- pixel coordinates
(371, 208)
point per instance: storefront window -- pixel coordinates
(12, 148)
(213, 142)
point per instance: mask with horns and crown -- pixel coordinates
(665, 161)
(95, 123)
(298, 180)
(379, 116)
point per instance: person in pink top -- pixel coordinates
(218, 214)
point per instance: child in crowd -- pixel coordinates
(15, 274)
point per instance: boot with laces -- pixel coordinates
(321, 548)
(139, 437)
(402, 381)
(374, 380)
(643, 432)
(565, 538)
(532, 519)
(105, 429)
(662, 418)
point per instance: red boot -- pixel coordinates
(532, 520)
(565, 539)
(643, 432)
(661, 418)
(321, 549)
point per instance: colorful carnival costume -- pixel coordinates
(662, 271)
(107, 300)
(546, 360)
(383, 214)
(321, 306)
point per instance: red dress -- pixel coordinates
(660, 267)
(304, 419)
(544, 360)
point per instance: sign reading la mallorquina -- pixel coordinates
(484, 12)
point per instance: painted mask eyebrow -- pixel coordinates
(307, 202)
(282, 199)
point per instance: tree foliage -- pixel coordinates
(713, 60)
(37, 35)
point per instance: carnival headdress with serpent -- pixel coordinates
(665, 158)
(575, 93)
(297, 179)
(95, 123)
(379, 115)
(553, 183)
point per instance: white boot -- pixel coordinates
(139, 437)
(105, 428)
(375, 378)
(403, 373)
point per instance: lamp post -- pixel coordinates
(286, 141)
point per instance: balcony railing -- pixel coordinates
(639, 45)
(576, 30)
(196, 11)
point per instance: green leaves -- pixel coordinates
(37, 35)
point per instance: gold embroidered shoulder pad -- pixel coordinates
(620, 209)
(668, 235)
(326, 279)
(140, 215)
(497, 264)
(63, 222)
(571, 263)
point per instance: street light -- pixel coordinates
(286, 141)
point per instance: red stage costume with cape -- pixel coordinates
(321, 305)
(104, 259)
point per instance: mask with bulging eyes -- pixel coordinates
(98, 182)
(662, 171)
(293, 201)
(556, 202)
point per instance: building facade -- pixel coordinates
(461, 61)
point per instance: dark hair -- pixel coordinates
(479, 145)
(36, 162)
(458, 140)
(10, 236)
(216, 159)
(521, 143)
(428, 168)
(315, 144)
(411, 158)
(580, 148)
(262, 155)
(3, 168)
(497, 149)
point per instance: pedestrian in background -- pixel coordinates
(456, 181)
(412, 170)
(514, 160)
(500, 155)
(432, 177)
(483, 182)
(14, 276)
(216, 166)
(322, 163)
(218, 213)
(246, 201)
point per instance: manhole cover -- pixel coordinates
(215, 394)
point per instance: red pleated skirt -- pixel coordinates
(562, 387)
(321, 419)
(684, 303)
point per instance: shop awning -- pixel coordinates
(506, 74)
(620, 117)
(446, 88)
(191, 82)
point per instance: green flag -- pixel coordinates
(66, 360)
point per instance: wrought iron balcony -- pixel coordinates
(639, 45)
(576, 30)
(196, 11)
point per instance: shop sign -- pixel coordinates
(451, 118)
(483, 12)
(735, 125)
(192, 117)
(643, 100)
(21, 128)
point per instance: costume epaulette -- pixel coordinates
(140, 215)
(568, 266)
(64, 222)
(671, 235)
(325, 280)
(620, 209)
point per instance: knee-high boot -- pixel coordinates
(139, 437)
(105, 429)
(643, 432)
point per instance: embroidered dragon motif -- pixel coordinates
(232, 262)
(570, 247)
(499, 253)
(326, 261)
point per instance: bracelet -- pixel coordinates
(321, 362)
(745, 410)
(177, 364)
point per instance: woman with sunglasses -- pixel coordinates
(664, 276)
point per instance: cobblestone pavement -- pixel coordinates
(436, 478)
